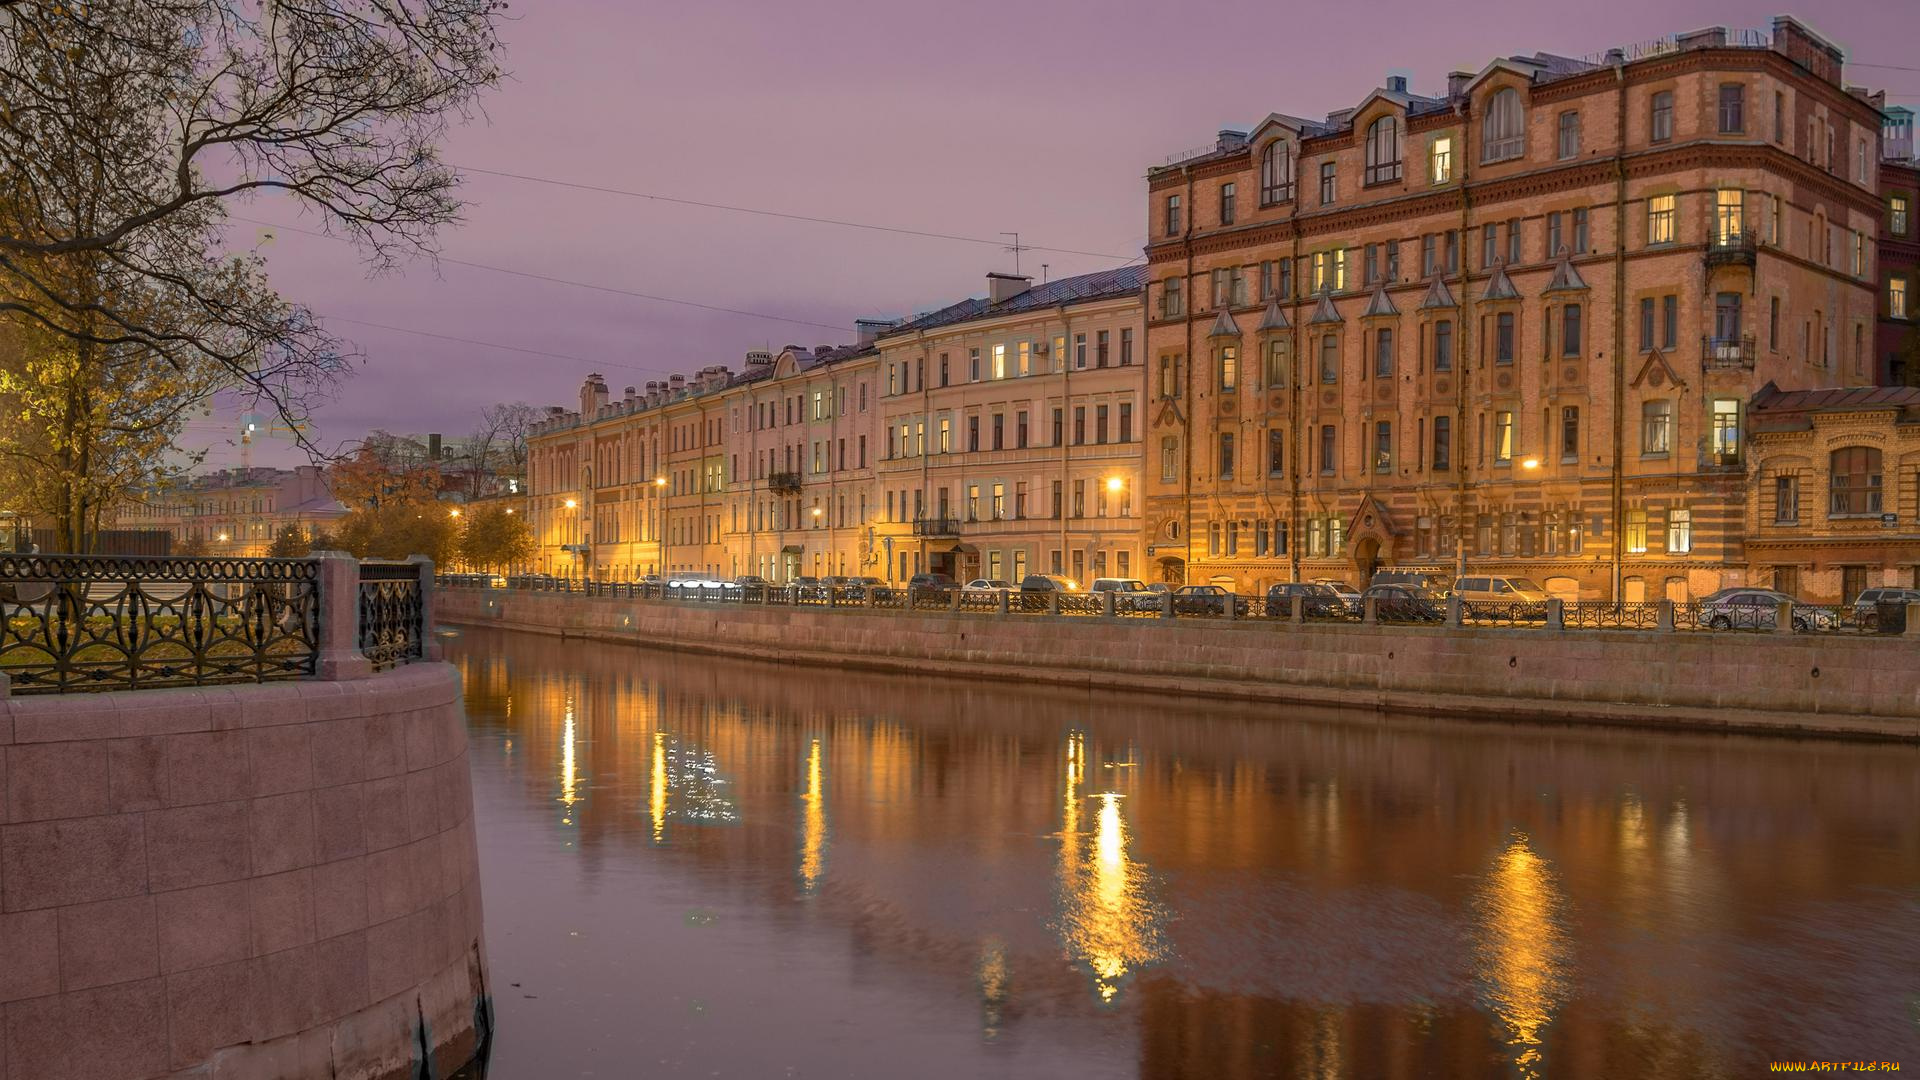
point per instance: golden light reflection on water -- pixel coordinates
(657, 787)
(993, 986)
(1522, 950)
(569, 770)
(813, 835)
(1108, 920)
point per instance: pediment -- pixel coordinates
(1656, 373)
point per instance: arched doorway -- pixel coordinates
(1173, 570)
(1366, 558)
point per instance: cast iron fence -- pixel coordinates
(392, 614)
(82, 622)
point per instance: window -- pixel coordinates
(1226, 204)
(1020, 427)
(1169, 385)
(1393, 260)
(1897, 297)
(1661, 226)
(1443, 345)
(1489, 245)
(1569, 135)
(1854, 481)
(1570, 330)
(1505, 134)
(1726, 319)
(1779, 118)
(1442, 443)
(1636, 532)
(1554, 237)
(1080, 344)
(1329, 450)
(1169, 458)
(1670, 321)
(1276, 173)
(1580, 233)
(1859, 253)
(1513, 241)
(1383, 446)
(1383, 151)
(1453, 251)
(1570, 433)
(1330, 271)
(1276, 375)
(1656, 427)
(1276, 452)
(1327, 186)
(1897, 215)
(1440, 159)
(1370, 266)
(1728, 206)
(973, 360)
(1172, 303)
(999, 361)
(1725, 445)
(1383, 353)
(1126, 346)
(1330, 359)
(1229, 368)
(1786, 500)
(1173, 215)
(999, 431)
(1126, 423)
(945, 438)
(1646, 324)
(1733, 107)
(1503, 436)
(1661, 123)
(1226, 455)
(1503, 338)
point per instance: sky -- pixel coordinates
(971, 120)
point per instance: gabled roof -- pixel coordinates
(1324, 311)
(1566, 277)
(1438, 296)
(1379, 304)
(1102, 285)
(1274, 318)
(1224, 326)
(1773, 400)
(1500, 286)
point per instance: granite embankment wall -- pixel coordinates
(1796, 684)
(253, 881)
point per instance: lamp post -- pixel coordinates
(660, 524)
(1117, 487)
(816, 524)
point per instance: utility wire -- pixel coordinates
(778, 213)
(564, 281)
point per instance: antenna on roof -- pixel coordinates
(1016, 249)
(1043, 273)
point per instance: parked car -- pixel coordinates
(1516, 590)
(1035, 587)
(807, 587)
(1207, 600)
(981, 584)
(752, 581)
(857, 588)
(1317, 600)
(1433, 581)
(1405, 603)
(1866, 606)
(693, 580)
(1129, 594)
(920, 585)
(1346, 592)
(1759, 609)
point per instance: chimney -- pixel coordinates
(433, 446)
(759, 358)
(822, 350)
(676, 382)
(1004, 287)
(1457, 82)
(867, 331)
(1396, 84)
(1231, 139)
(593, 394)
(1616, 56)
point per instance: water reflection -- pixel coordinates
(771, 871)
(1522, 950)
(1109, 922)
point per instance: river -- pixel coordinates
(697, 867)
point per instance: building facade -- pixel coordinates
(1897, 343)
(1514, 325)
(237, 512)
(1009, 435)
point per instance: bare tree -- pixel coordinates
(127, 127)
(498, 446)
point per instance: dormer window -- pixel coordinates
(1383, 151)
(1276, 173)
(1505, 134)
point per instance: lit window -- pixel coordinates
(1728, 214)
(1897, 297)
(1897, 222)
(1726, 431)
(1636, 532)
(1656, 427)
(1503, 436)
(1441, 156)
(1661, 224)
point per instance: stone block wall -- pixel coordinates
(1805, 684)
(253, 881)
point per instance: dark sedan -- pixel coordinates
(1206, 600)
(1405, 604)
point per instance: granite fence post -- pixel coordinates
(337, 653)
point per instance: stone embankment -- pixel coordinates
(1796, 684)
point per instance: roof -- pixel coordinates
(1274, 318)
(1439, 295)
(1772, 399)
(1084, 288)
(1379, 304)
(1224, 326)
(1500, 286)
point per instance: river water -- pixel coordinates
(708, 868)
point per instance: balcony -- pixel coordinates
(1736, 247)
(784, 483)
(936, 526)
(1728, 352)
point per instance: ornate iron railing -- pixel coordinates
(81, 622)
(392, 614)
(1503, 613)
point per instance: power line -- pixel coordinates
(565, 281)
(655, 197)
(1883, 67)
(461, 340)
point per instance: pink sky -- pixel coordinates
(972, 119)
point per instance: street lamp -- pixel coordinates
(1530, 463)
(453, 513)
(660, 523)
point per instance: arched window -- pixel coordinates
(1854, 481)
(1383, 150)
(1505, 133)
(1276, 173)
